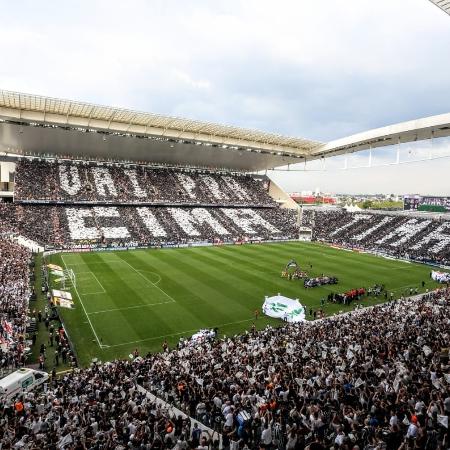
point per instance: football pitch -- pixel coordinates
(137, 299)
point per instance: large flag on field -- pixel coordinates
(57, 273)
(284, 308)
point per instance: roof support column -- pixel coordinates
(430, 150)
(398, 151)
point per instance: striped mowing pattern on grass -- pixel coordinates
(137, 299)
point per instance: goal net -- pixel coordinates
(305, 234)
(69, 279)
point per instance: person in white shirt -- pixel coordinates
(266, 435)
(340, 437)
(393, 420)
(229, 418)
(412, 429)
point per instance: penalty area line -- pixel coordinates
(84, 309)
(147, 305)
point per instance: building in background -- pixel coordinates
(312, 198)
(426, 203)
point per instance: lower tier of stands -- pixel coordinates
(63, 225)
(373, 378)
(418, 238)
(15, 293)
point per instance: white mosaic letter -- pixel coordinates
(246, 219)
(102, 179)
(77, 228)
(405, 232)
(372, 229)
(214, 187)
(439, 239)
(236, 188)
(72, 186)
(110, 232)
(151, 223)
(137, 190)
(187, 221)
(188, 184)
(356, 218)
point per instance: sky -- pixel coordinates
(308, 68)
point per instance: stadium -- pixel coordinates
(159, 289)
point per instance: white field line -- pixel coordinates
(147, 305)
(151, 282)
(95, 262)
(154, 273)
(101, 285)
(114, 261)
(84, 309)
(403, 287)
(94, 293)
(103, 290)
(178, 334)
(83, 272)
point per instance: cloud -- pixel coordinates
(320, 70)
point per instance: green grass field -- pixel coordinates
(137, 299)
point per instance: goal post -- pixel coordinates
(305, 234)
(69, 279)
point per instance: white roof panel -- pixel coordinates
(171, 126)
(443, 4)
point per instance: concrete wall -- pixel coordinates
(281, 197)
(5, 168)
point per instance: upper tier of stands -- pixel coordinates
(418, 238)
(114, 183)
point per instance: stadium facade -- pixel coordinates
(46, 127)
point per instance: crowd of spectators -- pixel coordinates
(41, 224)
(419, 238)
(92, 182)
(371, 379)
(62, 225)
(15, 294)
(140, 205)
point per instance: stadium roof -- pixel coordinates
(165, 134)
(400, 133)
(36, 125)
(443, 4)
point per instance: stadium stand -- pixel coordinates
(373, 378)
(70, 204)
(60, 225)
(424, 239)
(106, 183)
(14, 296)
